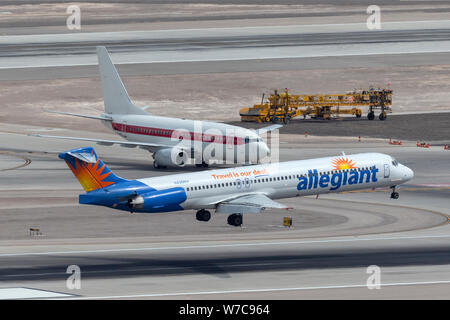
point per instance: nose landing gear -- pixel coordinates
(394, 194)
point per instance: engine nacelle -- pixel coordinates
(161, 200)
(170, 157)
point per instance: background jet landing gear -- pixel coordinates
(203, 215)
(235, 219)
(394, 194)
(201, 165)
(157, 166)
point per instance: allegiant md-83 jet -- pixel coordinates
(233, 191)
(173, 141)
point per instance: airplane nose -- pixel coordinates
(265, 149)
(409, 174)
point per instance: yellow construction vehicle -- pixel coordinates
(281, 108)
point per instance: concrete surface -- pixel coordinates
(334, 239)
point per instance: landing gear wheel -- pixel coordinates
(235, 219)
(203, 215)
(371, 115)
(382, 116)
(275, 119)
(286, 119)
(157, 166)
(395, 195)
(202, 165)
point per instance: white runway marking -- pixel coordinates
(354, 286)
(29, 293)
(233, 245)
(232, 54)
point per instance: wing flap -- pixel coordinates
(252, 203)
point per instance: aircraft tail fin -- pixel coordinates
(87, 167)
(115, 96)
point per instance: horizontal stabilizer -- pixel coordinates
(90, 171)
(80, 115)
(127, 144)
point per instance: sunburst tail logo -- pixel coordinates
(343, 163)
(90, 171)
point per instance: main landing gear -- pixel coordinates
(235, 219)
(394, 194)
(203, 215)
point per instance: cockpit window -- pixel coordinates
(394, 162)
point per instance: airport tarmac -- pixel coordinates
(324, 255)
(207, 61)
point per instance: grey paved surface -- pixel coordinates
(424, 127)
(334, 239)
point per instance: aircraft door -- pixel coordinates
(387, 171)
(124, 129)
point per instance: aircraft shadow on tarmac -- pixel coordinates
(94, 267)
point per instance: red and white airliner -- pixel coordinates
(173, 141)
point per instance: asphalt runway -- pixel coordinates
(226, 44)
(172, 256)
(334, 239)
(430, 127)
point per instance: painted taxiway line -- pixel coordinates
(228, 245)
(174, 294)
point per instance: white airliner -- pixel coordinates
(233, 191)
(171, 140)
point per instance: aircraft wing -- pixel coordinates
(250, 203)
(268, 128)
(152, 147)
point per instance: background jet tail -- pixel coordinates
(90, 171)
(115, 95)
